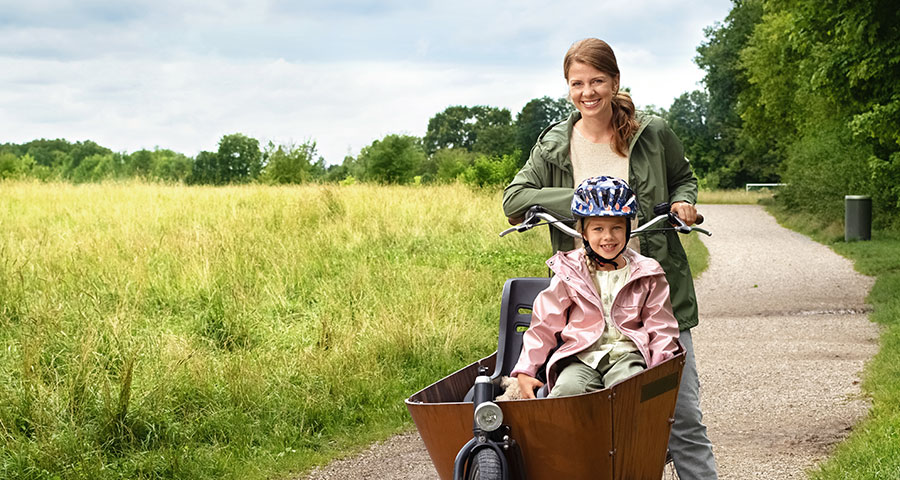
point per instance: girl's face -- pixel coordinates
(606, 235)
(591, 90)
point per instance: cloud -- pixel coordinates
(344, 73)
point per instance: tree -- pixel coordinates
(393, 159)
(239, 158)
(49, 153)
(170, 166)
(688, 117)
(95, 168)
(459, 127)
(725, 79)
(206, 169)
(140, 163)
(495, 140)
(335, 173)
(81, 151)
(829, 67)
(534, 117)
(350, 167)
(12, 166)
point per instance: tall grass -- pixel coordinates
(176, 332)
(191, 332)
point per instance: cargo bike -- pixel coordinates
(620, 432)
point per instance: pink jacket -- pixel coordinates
(641, 310)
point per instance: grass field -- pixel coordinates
(241, 332)
(872, 452)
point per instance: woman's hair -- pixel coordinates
(598, 54)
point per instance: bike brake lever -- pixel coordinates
(509, 230)
(678, 223)
(522, 227)
(682, 227)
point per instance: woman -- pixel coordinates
(605, 136)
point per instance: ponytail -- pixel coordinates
(623, 122)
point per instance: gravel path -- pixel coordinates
(782, 339)
(783, 336)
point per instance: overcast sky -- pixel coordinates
(179, 75)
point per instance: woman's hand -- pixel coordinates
(515, 220)
(527, 385)
(685, 211)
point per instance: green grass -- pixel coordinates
(241, 332)
(698, 255)
(873, 449)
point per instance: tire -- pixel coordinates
(485, 465)
(669, 472)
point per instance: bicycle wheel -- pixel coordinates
(669, 472)
(485, 465)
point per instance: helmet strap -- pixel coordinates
(595, 257)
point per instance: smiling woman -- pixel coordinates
(607, 137)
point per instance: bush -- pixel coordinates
(288, 163)
(450, 163)
(821, 168)
(393, 159)
(14, 167)
(95, 168)
(491, 171)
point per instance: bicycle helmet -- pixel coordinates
(604, 197)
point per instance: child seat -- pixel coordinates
(515, 318)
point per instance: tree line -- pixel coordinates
(479, 145)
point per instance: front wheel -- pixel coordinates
(669, 472)
(485, 465)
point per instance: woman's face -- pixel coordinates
(591, 90)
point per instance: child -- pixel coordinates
(604, 280)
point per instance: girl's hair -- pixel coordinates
(598, 54)
(580, 222)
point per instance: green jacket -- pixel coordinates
(657, 171)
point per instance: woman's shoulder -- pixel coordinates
(650, 121)
(653, 128)
(558, 133)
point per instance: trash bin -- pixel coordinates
(857, 217)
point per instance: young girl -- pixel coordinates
(609, 304)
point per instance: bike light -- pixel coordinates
(488, 416)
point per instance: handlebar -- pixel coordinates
(664, 208)
(536, 213)
(676, 223)
(533, 217)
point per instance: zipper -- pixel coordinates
(595, 295)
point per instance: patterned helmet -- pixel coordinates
(604, 197)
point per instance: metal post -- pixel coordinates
(857, 217)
